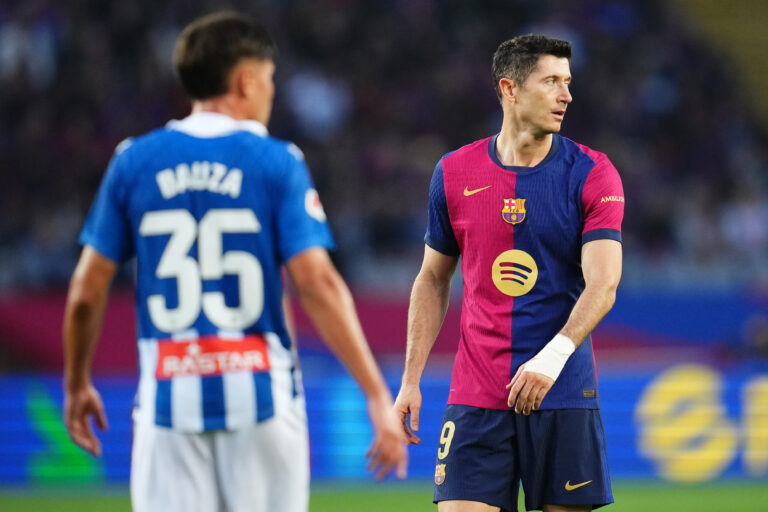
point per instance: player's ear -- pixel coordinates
(242, 80)
(508, 89)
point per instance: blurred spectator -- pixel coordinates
(374, 93)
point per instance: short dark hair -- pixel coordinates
(210, 47)
(516, 58)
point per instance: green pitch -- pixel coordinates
(630, 497)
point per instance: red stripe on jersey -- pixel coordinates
(484, 358)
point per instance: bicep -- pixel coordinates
(601, 262)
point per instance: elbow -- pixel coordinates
(608, 292)
(436, 284)
(603, 292)
(320, 285)
(81, 298)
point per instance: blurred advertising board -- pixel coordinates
(682, 422)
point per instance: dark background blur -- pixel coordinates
(375, 92)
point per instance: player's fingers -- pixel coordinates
(402, 467)
(95, 445)
(530, 400)
(101, 416)
(82, 435)
(415, 418)
(517, 375)
(514, 390)
(539, 398)
(383, 470)
(522, 397)
(412, 438)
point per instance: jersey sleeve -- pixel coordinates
(301, 221)
(107, 227)
(603, 202)
(440, 236)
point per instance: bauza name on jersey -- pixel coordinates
(210, 176)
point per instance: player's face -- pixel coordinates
(260, 89)
(541, 101)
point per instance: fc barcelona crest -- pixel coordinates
(439, 474)
(513, 211)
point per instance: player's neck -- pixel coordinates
(220, 105)
(521, 148)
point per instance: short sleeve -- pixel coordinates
(440, 234)
(603, 202)
(107, 227)
(301, 221)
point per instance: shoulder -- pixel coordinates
(136, 148)
(588, 163)
(584, 153)
(468, 154)
(278, 156)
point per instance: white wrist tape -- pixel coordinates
(551, 359)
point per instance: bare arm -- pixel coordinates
(83, 317)
(601, 265)
(328, 302)
(429, 302)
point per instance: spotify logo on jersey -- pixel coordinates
(514, 273)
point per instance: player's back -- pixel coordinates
(211, 207)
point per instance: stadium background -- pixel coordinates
(375, 92)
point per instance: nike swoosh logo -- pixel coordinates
(569, 487)
(468, 192)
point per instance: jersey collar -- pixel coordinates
(552, 153)
(208, 125)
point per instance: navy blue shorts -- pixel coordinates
(559, 455)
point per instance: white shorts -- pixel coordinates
(261, 467)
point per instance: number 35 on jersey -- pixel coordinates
(212, 264)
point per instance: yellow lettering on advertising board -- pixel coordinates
(683, 425)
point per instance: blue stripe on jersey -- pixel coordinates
(440, 235)
(163, 403)
(294, 384)
(214, 416)
(601, 234)
(265, 406)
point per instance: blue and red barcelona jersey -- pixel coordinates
(211, 208)
(519, 231)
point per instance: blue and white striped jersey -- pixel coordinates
(211, 207)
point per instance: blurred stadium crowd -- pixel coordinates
(375, 92)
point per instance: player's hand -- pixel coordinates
(409, 402)
(79, 406)
(527, 389)
(387, 451)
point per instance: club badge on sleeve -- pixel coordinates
(313, 206)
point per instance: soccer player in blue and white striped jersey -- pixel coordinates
(212, 208)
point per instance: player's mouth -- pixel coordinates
(559, 114)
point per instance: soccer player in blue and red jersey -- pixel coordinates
(536, 220)
(212, 208)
